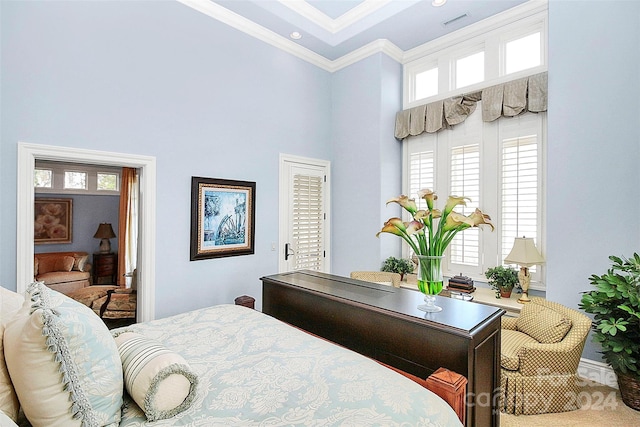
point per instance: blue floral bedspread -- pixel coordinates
(257, 371)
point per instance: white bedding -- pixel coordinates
(254, 370)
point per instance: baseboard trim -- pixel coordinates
(597, 371)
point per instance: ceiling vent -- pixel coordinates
(456, 19)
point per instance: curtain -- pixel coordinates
(504, 100)
(128, 224)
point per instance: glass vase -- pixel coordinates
(430, 281)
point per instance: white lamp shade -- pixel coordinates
(524, 253)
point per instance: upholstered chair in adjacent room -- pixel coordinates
(540, 354)
(382, 277)
(120, 303)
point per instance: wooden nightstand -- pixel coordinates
(105, 268)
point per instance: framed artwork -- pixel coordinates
(53, 219)
(222, 218)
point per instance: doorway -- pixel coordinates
(304, 214)
(29, 153)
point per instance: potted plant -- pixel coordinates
(615, 304)
(502, 279)
(397, 265)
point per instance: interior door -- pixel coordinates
(304, 219)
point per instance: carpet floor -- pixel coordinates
(601, 406)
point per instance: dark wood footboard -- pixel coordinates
(383, 323)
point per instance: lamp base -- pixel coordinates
(524, 298)
(105, 246)
(524, 278)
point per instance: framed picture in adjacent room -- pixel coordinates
(222, 218)
(53, 221)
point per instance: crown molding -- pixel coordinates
(377, 46)
(333, 26)
(249, 27)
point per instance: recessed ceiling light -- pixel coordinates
(438, 3)
(295, 35)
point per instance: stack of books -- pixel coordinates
(461, 283)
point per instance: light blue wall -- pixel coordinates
(161, 79)
(593, 177)
(366, 162)
(88, 213)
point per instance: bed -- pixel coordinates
(253, 370)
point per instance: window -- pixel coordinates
(520, 191)
(522, 53)
(43, 178)
(427, 83)
(107, 181)
(465, 181)
(489, 52)
(75, 180)
(498, 166)
(470, 70)
(61, 178)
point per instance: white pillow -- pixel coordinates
(63, 361)
(10, 303)
(5, 421)
(158, 379)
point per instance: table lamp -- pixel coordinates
(525, 254)
(105, 232)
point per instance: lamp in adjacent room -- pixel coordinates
(525, 254)
(105, 232)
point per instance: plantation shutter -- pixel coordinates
(421, 174)
(308, 222)
(519, 190)
(465, 181)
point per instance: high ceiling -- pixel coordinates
(335, 28)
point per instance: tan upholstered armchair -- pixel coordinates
(110, 302)
(383, 277)
(540, 353)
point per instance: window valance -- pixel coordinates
(507, 99)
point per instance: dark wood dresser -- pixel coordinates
(384, 323)
(105, 267)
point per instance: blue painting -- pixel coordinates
(224, 217)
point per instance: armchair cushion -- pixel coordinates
(381, 277)
(512, 344)
(547, 326)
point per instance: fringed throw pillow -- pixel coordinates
(63, 362)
